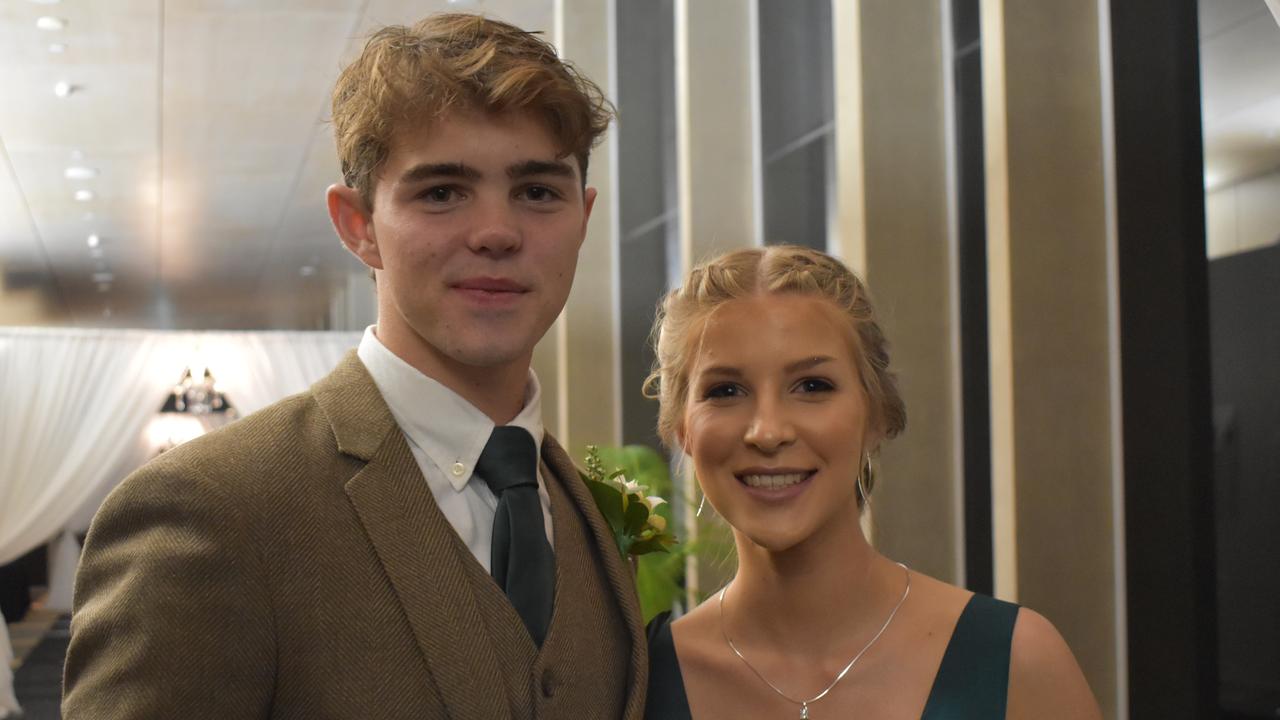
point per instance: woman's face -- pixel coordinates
(776, 418)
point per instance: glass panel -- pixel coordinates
(1240, 100)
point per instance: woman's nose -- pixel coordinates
(770, 428)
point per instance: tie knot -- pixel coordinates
(509, 459)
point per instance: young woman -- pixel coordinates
(774, 380)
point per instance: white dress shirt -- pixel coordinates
(446, 434)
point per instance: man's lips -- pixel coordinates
(490, 285)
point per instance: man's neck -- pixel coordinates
(497, 391)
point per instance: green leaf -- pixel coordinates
(658, 578)
(609, 500)
(636, 514)
(657, 543)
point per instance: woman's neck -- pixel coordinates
(812, 598)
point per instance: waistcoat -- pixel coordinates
(581, 670)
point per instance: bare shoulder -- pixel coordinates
(1045, 681)
(696, 635)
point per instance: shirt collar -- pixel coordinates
(449, 430)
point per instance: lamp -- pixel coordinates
(198, 397)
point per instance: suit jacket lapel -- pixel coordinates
(621, 578)
(414, 542)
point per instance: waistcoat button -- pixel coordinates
(548, 684)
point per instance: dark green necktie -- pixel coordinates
(521, 561)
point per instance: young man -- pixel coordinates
(403, 540)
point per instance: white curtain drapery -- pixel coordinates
(73, 401)
(76, 401)
(8, 701)
(74, 404)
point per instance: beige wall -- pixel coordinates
(1055, 444)
(577, 362)
(910, 269)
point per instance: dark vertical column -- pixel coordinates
(971, 220)
(1164, 348)
(646, 192)
(796, 111)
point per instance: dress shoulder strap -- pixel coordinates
(973, 679)
(667, 699)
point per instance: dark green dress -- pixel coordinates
(972, 681)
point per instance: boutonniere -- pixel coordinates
(630, 513)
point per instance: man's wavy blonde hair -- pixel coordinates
(456, 61)
(683, 314)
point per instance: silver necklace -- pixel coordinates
(804, 704)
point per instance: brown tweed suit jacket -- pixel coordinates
(295, 565)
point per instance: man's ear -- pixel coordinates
(588, 202)
(354, 224)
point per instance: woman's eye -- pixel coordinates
(722, 390)
(815, 385)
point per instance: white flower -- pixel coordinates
(629, 487)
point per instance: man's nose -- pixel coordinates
(497, 230)
(771, 429)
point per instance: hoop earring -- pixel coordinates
(864, 479)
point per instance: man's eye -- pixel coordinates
(441, 194)
(539, 193)
(814, 385)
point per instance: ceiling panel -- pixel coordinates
(1217, 16)
(245, 93)
(1240, 90)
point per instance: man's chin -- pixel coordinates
(483, 354)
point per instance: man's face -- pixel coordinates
(475, 230)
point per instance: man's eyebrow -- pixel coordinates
(427, 171)
(558, 168)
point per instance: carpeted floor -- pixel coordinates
(38, 681)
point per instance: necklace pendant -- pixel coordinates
(804, 711)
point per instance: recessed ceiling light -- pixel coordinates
(48, 22)
(80, 172)
(94, 240)
(103, 277)
(57, 48)
(62, 88)
(307, 270)
(45, 2)
(84, 195)
(104, 286)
